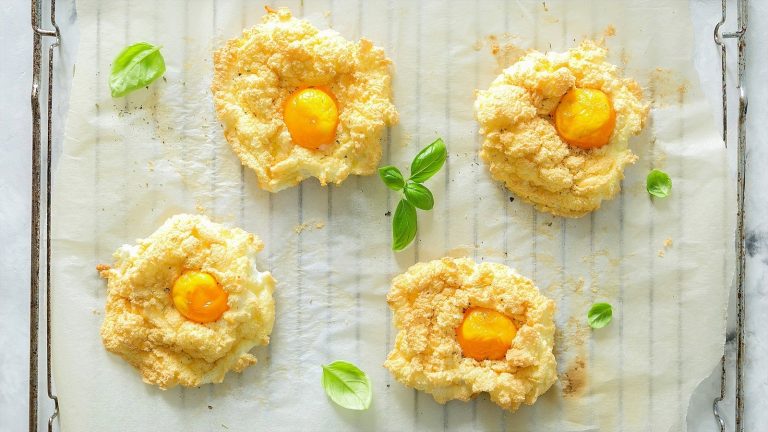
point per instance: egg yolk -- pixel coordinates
(311, 116)
(585, 118)
(485, 334)
(198, 297)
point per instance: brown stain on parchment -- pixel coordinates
(460, 251)
(624, 58)
(667, 87)
(504, 48)
(574, 379)
(571, 349)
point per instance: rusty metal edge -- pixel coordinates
(39, 34)
(34, 300)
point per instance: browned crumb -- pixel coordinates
(102, 269)
(609, 31)
(308, 226)
(667, 245)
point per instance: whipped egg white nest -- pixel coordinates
(142, 324)
(257, 73)
(522, 146)
(429, 301)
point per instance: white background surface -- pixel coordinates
(15, 139)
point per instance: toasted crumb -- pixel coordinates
(667, 245)
(308, 226)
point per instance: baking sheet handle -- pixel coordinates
(742, 13)
(52, 37)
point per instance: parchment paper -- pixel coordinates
(128, 164)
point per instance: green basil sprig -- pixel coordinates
(347, 385)
(135, 67)
(658, 183)
(392, 177)
(418, 195)
(429, 161)
(599, 315)
(415, 195)
(403, 225)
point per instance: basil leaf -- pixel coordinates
(392, 177)
(426, 163)
(403, 225)
(599, 315)
(429, 161)
(419, 196)
(658, 183)
(135, 67)
(347, 385)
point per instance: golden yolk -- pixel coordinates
(198, 297)
(311, 116)
(485, 334)
(585, 118)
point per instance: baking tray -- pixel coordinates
(46, 44)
